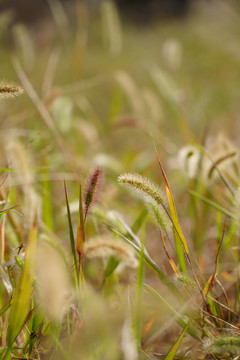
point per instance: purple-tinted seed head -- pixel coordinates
(92, 188)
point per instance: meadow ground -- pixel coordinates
(120, 196)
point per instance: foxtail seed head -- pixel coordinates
(159, 215)
(105, 246)
(143, 186)
(92, 188)
(183, 280)
(220, 344)
(9, 90)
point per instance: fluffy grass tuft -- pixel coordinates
(104, 247)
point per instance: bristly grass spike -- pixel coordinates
(9, 90)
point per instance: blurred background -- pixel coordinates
(142, 11)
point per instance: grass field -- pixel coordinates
(120, 191)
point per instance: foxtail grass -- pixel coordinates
(8, 90)
(104, 247)
(142, 186)
(92, 189)
(224, 344)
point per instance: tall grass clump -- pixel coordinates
(85, 273)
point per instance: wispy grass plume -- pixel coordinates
(92, 189)
(104, 247)
(19, 158)
(53, 281)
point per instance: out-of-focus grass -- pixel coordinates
(100, 94)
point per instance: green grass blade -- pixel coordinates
(21, 301)
(111, 266)
(72, 241)
(6, 169)
(213, 204)
(8, 209)
(81, 228)
(172, 352)
(5, 307)
(47, 204)
(6, 354)
(36, 322)
(137, 318)
(139, 221)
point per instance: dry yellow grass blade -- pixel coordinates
(171, 261)
(181, 244)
